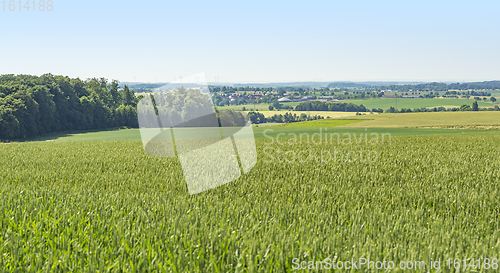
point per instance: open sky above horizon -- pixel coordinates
(255, 41)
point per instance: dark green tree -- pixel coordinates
(475, 107)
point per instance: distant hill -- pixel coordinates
(315, 84)
(366, 84)
(141, 84)
(282, 84)
(140, 87)
(438, 86)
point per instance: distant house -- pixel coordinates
(255, 96)
(284, 100)
(389, 96)
(327, 98)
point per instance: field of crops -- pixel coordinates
(320, 123)
(482, 119)
(261, 106)
(106, 205)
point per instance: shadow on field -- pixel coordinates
(102, 133)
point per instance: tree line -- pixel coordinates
(257, 118)
(437, 86)
(31, 106)
(329, 106)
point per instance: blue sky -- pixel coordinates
(256, 41)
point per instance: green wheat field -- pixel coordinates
(84, 203)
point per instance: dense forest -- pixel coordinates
(185, 108)
(31, 106)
